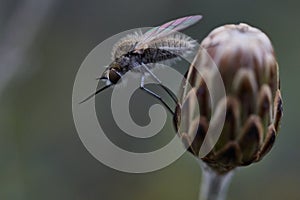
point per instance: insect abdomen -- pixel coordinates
(178, 44)
(152, 55)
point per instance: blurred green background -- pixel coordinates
(42, 44)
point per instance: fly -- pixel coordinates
(138, 52)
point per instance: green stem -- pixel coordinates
(214, 186)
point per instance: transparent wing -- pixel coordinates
(167, 29)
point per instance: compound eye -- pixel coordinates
(114, 76)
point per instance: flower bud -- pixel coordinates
(246, 62)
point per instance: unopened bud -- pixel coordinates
(247, 64)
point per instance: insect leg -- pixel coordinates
(142, 86)
(160, 84)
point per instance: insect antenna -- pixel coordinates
(94, 94)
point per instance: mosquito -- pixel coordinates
(140, 52)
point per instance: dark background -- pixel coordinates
(41, 155)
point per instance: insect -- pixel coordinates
(139, 52)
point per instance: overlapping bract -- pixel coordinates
(245, 58)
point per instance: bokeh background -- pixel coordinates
(42, 44)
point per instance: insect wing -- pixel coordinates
(167, 29)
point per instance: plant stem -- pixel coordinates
(214, 185)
